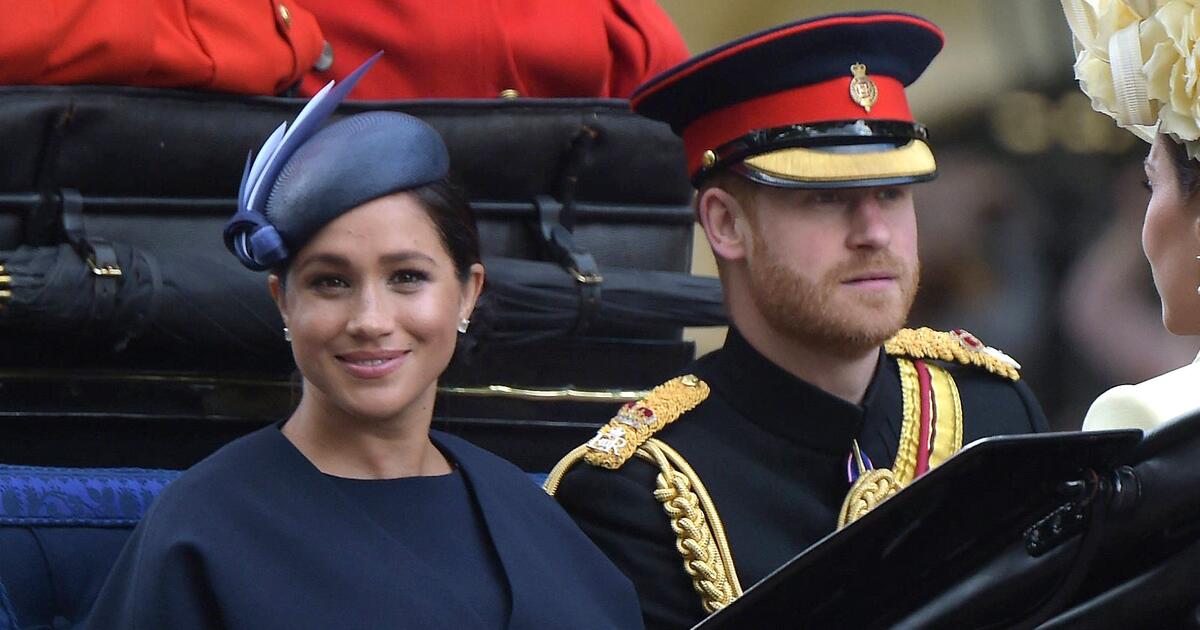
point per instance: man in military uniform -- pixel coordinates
(803, 150)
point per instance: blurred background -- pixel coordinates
(1030, 236)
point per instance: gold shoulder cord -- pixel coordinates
(699, 534)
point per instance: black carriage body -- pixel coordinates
(157, 171)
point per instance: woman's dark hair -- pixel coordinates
(450, 212)
(1187, 170)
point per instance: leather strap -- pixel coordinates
(98, 253)
(571, 256)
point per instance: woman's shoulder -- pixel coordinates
(222, 476)
(1147, 404)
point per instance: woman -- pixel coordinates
(1133, 62)
(351, 513)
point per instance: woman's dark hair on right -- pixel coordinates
(1187, 170)
(450, 211)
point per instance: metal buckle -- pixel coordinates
(585, 278)
(107, 271)
(5, 286)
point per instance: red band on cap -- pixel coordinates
(819, 102)
(658, 83)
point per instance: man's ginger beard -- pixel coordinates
(805, 311)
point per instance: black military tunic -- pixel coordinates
(772, 451)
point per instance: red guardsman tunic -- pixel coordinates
(480, 48)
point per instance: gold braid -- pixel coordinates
(869, 490)
(699, 536)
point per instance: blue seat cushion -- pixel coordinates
(61, 530)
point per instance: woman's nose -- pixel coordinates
(371, 316)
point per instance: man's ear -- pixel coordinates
(724, 221)
(277, 294)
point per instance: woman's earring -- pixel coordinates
(462, 325)
(287, 334)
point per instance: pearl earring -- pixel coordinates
(462, 325)
(287, 334)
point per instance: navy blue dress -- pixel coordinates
(256, 537)
(425, 512)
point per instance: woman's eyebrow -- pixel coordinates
(405, 256)
(333, 260)
(341, 262)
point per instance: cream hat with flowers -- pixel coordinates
(1139, 62)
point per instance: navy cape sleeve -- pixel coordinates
(157, 581)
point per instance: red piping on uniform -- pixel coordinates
(924, 446)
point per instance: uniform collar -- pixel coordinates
(783, 404)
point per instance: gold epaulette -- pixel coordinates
(957, 346)
(637, 422)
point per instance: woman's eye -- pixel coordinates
(409, 277)
(328, 283)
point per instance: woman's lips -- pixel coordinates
(374, 364)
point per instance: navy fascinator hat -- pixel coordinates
(304, 177)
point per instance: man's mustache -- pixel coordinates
(884, 262)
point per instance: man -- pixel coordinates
(802, 148)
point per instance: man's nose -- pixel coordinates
(868, 225)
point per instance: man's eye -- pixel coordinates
(827, 197)
(888, 194)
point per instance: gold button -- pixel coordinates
(509, 93)
(710, 158)
(285, 15)
(690, 380)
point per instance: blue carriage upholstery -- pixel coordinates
(61, 530)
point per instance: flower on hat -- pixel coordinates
(1172, 77)
(1139, 62)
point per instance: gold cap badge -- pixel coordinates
(863, 90)
(710, 158)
